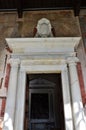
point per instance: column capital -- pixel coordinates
(14, 62)
(72, 60)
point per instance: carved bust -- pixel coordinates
(44, 28)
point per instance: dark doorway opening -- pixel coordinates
(44, 102)
(39, 106)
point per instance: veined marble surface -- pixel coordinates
(43, 45)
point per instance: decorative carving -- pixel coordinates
(44, 29)
(72, 60)
(14, 62)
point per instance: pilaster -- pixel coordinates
(11, 95)
(20, 103)
(66, 99)
(78, 112)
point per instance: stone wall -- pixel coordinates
(82, 19)
(64, 23)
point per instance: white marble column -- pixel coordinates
(78, 112)
(11, 96)
(66, 99)
(20, 103)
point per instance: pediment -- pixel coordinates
(40, 82)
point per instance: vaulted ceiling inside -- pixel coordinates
(24, 5)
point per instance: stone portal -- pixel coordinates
(44, 56)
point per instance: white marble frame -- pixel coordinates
(15, 104)
(46, 55)
(31, 69)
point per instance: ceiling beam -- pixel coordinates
(76, 7)
(19, 8)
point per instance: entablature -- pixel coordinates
(43, 48)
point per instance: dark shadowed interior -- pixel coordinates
(44, 102)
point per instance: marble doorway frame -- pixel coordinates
(46, 55)
(26, 68)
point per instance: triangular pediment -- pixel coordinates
(40, 82)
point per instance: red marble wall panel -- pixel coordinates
(7, 75)
(81, 82)
(3, 107)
